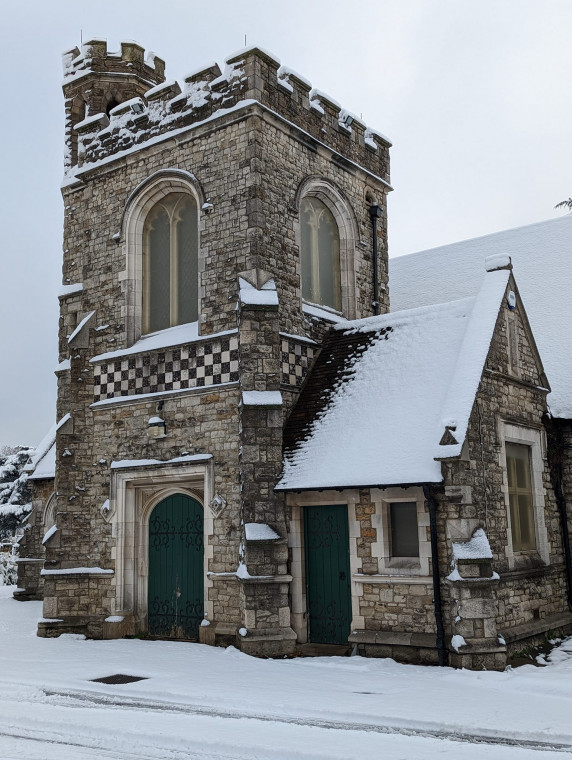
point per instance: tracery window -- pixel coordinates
(320, 254)
(170, 263)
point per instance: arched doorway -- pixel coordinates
(175, 583)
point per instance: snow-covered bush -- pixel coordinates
(8, 570)
(15, 495)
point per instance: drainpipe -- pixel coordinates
(432, 504)
(555, 461)
(375, 214)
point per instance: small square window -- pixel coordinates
(404, 531)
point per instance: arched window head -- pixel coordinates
(320, 254)
(170, 263)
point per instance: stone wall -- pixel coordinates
(497, 605)
(249, 144)
(31, 550)
(530, 597)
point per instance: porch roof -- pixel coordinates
(390, 396)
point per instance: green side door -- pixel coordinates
(176, 593)
(328, 582)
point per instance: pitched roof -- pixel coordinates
(42, 463)
(542, 257)
(390, 395)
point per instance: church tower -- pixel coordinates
(215, 229)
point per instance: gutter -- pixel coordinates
(374, 214)
(432, 504)
(349, 487)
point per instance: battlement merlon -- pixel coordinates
(94, 58)
(251, 75)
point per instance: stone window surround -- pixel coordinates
(134, 493)
(343, 213)
(534, 440)
(138, 205)
(403, 570)
(381, 520)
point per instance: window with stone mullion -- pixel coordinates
(170, 279)
(320, 254)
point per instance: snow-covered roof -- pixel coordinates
(542, 258)
(387, 390)
(43, 461)
(46, 467)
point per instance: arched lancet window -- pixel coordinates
(320, 254)
(170, 263)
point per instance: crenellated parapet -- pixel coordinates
(169, 107)
(94, 57)
(96, 80)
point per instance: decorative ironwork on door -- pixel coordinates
(175, 598)
(328, 582)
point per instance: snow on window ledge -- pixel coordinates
(322, 312)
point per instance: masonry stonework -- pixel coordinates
(248, 143)
(200, 410)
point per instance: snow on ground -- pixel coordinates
(202, 702)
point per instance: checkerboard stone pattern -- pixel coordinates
(192, 366)
(297, 356)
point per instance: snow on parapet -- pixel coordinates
(94, 56)
(251, 75)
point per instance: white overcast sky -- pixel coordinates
(474, 94)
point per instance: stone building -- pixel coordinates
(231, 418)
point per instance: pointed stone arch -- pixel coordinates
(139, 203)
(340, 207)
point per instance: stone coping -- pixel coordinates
(411, 579)
(394, 638)
(536, 627)
(158, 395)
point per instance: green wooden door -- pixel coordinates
(328, 585)
(175, 597)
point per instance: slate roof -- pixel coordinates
(389, 396)
(542, 258)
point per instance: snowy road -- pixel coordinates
(79, 731)
(212, 704)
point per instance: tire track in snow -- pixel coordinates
(97, 752)
(420, 730)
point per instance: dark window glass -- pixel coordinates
(404, 534)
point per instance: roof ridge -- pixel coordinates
(482, 237)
